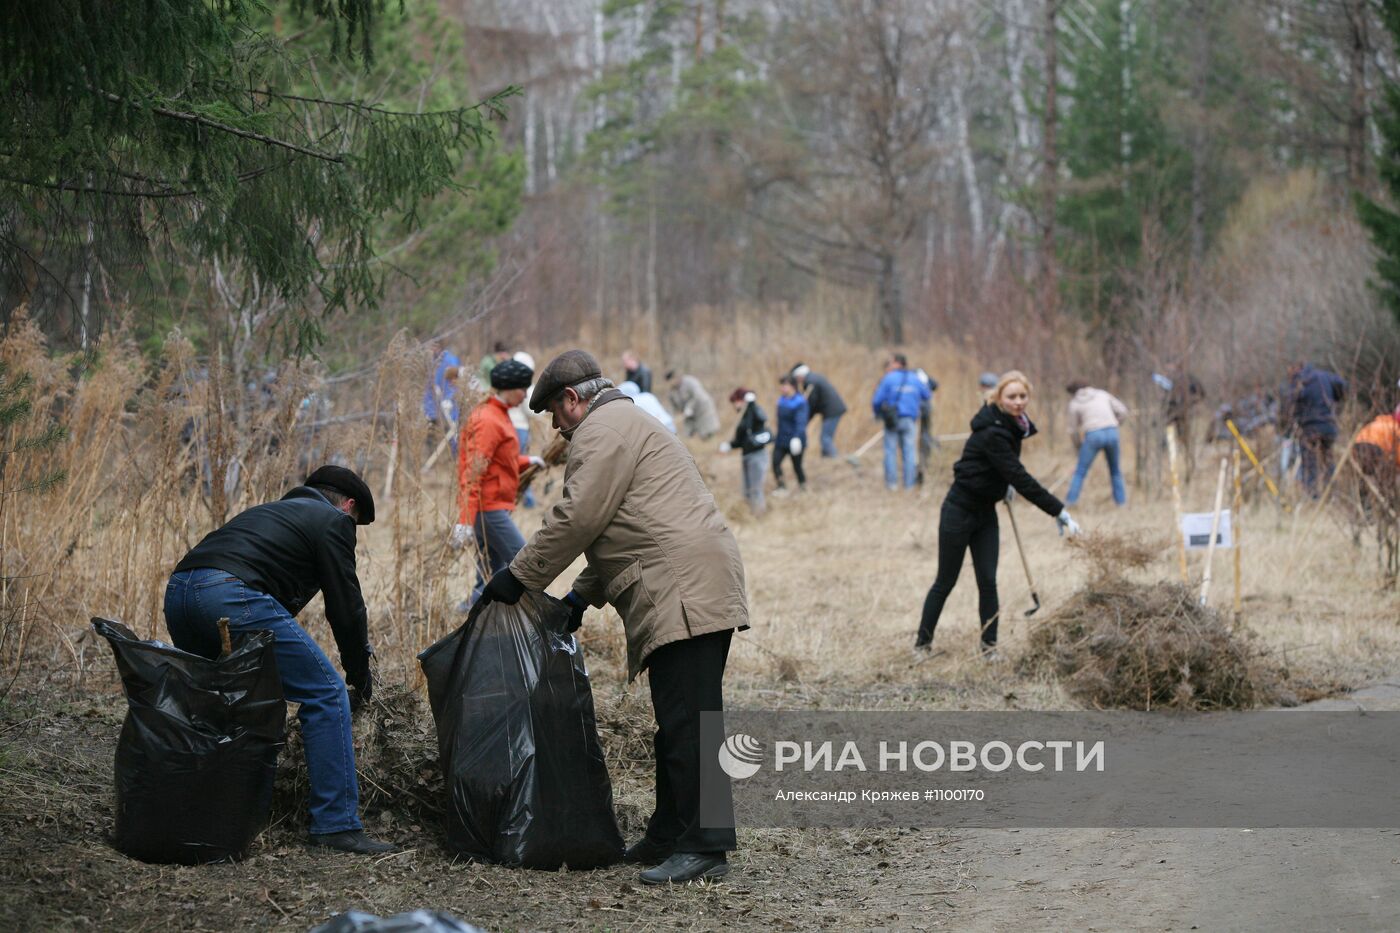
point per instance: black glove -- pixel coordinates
(361, 689)
(502, 588)
(359, 679)
(577, 607)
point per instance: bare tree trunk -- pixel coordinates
(1050, 167)
(1358, 108)
(1200, 67)
(891, 299)
(699, 30)
(1019, 172)
(529, 143)
(964, 147)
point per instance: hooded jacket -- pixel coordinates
(292, 549)
(991, 461)
(657, 547)
(1092, 409)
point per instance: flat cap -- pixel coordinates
(567, 369)
(347, 482)
(511, 374)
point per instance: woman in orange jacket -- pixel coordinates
(488, 475)
(1377, 455)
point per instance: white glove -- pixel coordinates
(795, 446)
(1067, 524)
(447, 408)
(537, 462)
(460, 533)
(725, 447)
(1010, 494)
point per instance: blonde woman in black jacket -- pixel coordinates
(990, 465)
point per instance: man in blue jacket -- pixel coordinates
(897, 402)
(258, 571)
(1309, 416)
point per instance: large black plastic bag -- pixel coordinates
(518, 740)
(198, 751)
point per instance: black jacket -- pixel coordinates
(822, 397)
(291, 549)
(752, 433)
(641, 376)
(991, 461)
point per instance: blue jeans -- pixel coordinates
(1105, 439)
(1315, 460)
(195, 600)
(523, 435)
(904, 439)
(497, 543)
(829, 435)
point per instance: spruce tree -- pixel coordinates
(132, 127)
(1381, 220)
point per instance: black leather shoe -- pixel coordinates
(646, 852)
(352, 840)
(684, 867)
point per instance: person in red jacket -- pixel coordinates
(489, 462)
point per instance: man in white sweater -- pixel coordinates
(1094, 417)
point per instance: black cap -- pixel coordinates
(511, 374)
(349, 483)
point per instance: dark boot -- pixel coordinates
(684, 867)
(646, 852)
(352, 840)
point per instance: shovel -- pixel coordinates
(1025, 564)
(854, 459)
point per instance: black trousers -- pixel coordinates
(961, 530)
(779, 452)
(687, 678)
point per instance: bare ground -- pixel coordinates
(58, 872)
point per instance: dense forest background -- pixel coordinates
(1113, 187)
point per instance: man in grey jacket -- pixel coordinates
(659, 551)
(689, 399)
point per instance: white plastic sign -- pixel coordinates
(1195, 528)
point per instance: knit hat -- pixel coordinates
(511, 374)
(987, 380)
(801, 370)
(348, 483)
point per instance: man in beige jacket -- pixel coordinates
(659, 551)
(1094, 416)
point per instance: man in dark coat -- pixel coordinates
(1309, 416)
(823, 400)
(637, 371)
(258, 571)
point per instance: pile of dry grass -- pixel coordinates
(397, 759)
(1123, 645)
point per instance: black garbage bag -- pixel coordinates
(198, 750)
(413, 921)
(518, 739)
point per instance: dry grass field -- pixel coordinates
(836, 576)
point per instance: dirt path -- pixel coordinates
(57, 871)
